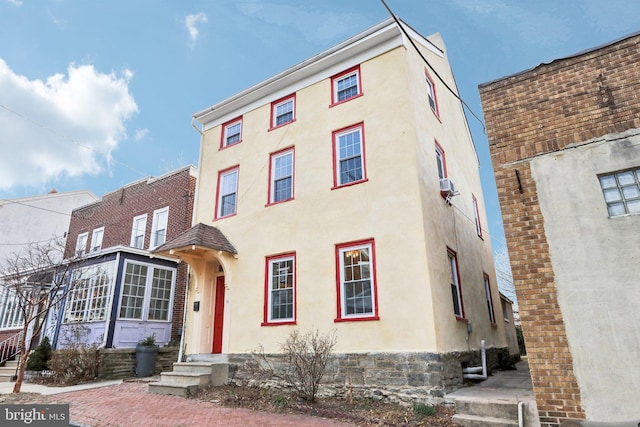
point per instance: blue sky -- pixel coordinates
(97, 94)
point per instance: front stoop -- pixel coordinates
(474, 412)
(8, 371)
(188, 376)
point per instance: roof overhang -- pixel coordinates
(200, 241)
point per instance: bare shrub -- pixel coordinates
(77, 362)
(306, 357)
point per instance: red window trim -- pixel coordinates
(334, 141)
(223, 132)
(272, 125)
(293, 173)
(266, 321)
(436, 111)
(455, 257)
(335, 78)
(375, 316)
(476, 212)
(485, 277)
(220, 173)
(444, 157)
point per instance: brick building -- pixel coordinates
(121, 294)
(565, 146)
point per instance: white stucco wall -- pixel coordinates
(38, 218)
(596, 262)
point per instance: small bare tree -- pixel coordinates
(306, 357)
(40, 279)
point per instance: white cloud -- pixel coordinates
(65, 126)
(191, 21)
(315, 26)
(141, 133)
(15, 2)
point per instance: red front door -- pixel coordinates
(218, 315)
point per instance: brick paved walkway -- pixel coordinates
(129, 404)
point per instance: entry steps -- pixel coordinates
(8, 371)
(480, 412)
(187, 376)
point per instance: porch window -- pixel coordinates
(146, 292)
(91, 294)
(11, 316)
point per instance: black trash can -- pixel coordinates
(146, 356)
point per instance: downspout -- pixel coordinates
(471, 373)
(184, 315)
(520, 414)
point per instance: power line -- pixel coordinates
(404, 31)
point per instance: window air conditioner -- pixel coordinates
(447, 187)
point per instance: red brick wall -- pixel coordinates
(544, 110)
(117, 209)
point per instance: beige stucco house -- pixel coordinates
(344, 194)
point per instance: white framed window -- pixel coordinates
(489, 298)
(10, 313)
(476, 214)
(280, 289)
(346, 85)
(441, 161)
(621, 192)
(81, 244)
(138, 231)
(231, 132)
(454, 280)
(348, 150)
(431, 94)
(91, 295)
(357, 297)
(159, 227)
(283, 111)
(147, 292)
(281, 173)
(227, 192)
(96, 239)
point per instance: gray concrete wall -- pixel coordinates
(596, 261)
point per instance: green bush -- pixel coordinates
(39, 359)
(422, 409)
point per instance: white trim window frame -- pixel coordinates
(147, 292)
(349, 154)
(138, 231)
(346, 86)
(281, 181)
(281, 289)
(489, 298)
(159, 227)
(91, 296)
(11, 317)
(81, 243)
(96, 239)
(357, 285)
(231, 133)
(227, 192)
(456, 288)
(621, 192)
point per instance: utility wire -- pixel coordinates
(404, 31)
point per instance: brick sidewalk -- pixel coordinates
(129, 404)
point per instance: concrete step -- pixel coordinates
(6, 378)
(172, 389)
(11, 364)
(466, 420)
(193, 367)
(495, 408)
(185, 378)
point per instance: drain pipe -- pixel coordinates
(472, 372)
(520, 414)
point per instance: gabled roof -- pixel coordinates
(204, 236)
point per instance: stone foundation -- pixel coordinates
(405, 378)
